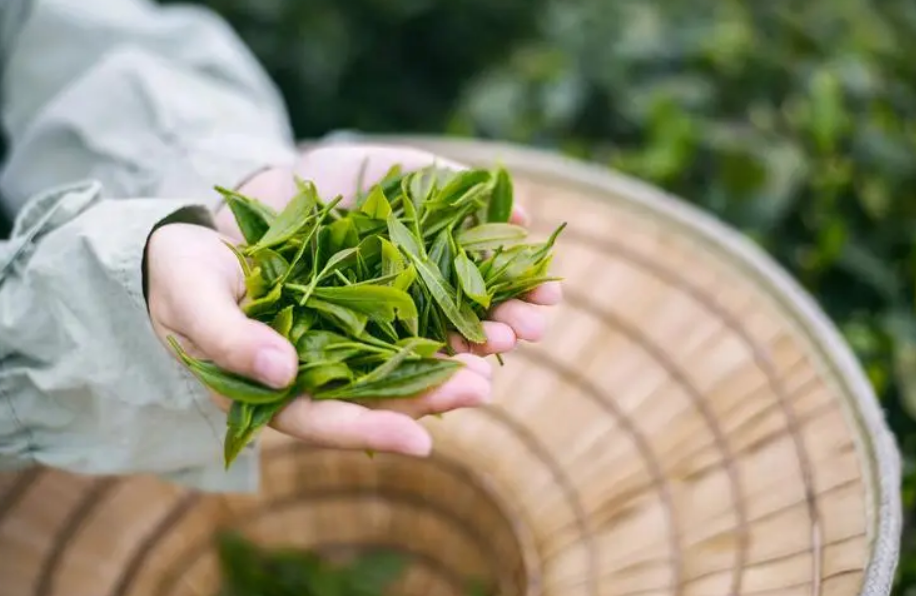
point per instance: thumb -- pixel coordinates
(199, 283)
(221, 331)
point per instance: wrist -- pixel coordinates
(192, 214)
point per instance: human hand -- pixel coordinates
(195, 286)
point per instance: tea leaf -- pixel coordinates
(405, 278)
(239, 417)
(343, 235)
(243, 261)
(389, 365)
(421, 346)
(378, 302)
(319, 345)
(351, 321)
(411, 378)
(255, 285)
(471, 281)
(392, 259)
(376, 205)
(258, 416)
(228, 384)
(292, 219)
(315, 375)
(283, 322)
(500, 207)
(491, 235)
(302, 321)
(461, 316)
(402, 237)
(460, 184)
(441, 254)
(252, 221)
(264, 304)
(273, 266)
(338, 260)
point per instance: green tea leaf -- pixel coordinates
(403, 238)
(283, 322)
(292, 219)
(338, 260)
(317, 345)
(491, 235)
(351, 321)
(500, 207)
(421, 346)
(405, 278)
(243, 261)
(314, 375)
(441, 254)
(228, 384)
(460, 183)
(392, 260)
(389, 365)
(303, 320)
(252, 221)
(343, 235)
(411, 378)
(264, 304)
(384, 303)
(255, 285)
(376, 205)
(462, 316)
(471, 281)
(259, 416)
(239, 418)
(273, 266)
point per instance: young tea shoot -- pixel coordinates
(369, 293)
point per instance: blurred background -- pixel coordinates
(792, 121)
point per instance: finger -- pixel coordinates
(519, 215)
(345, 425)
(218, 327)
(500, 338)
(335, 169)
(547, 294)
(526, 320)
(206, 312)
(467, 388)
(274, 187)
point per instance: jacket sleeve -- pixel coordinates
(120, 115)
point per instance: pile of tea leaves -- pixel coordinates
(369, 294)
(248, 569)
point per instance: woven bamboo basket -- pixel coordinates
(691, 426)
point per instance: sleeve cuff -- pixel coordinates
(107, 398)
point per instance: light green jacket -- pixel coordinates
(119, 113)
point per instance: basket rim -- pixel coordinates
(884, 467)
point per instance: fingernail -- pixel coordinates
(274, 368)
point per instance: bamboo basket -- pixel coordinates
(691, 426)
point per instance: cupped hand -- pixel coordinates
(196, 285)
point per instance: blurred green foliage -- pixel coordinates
(793, 121)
